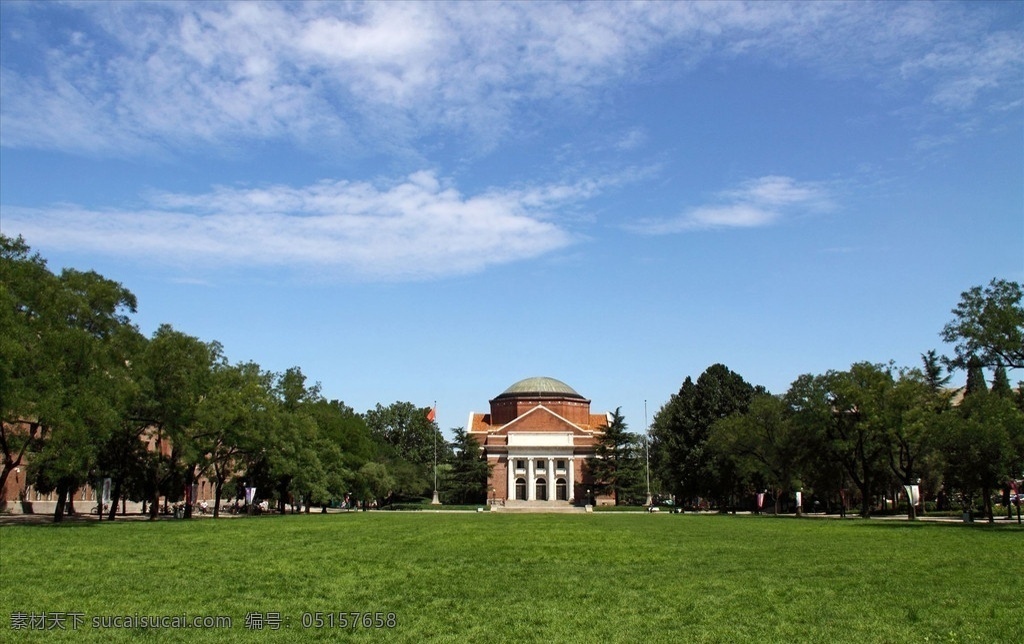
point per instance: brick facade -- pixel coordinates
(537, 438)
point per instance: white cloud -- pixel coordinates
(418, 228)
(135, 77)
(754, 204)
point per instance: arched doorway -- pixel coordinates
(542, 489)
(561, 490)
(520, 489)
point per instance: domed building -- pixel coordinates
(536, 439)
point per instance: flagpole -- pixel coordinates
(647, 454)
(435, 500)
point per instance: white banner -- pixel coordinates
(106, 491)
(250, 493)
(913, 493)
(799, 499)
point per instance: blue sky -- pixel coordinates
(431, 201)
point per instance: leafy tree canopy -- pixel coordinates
(988, 323)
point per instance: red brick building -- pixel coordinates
(18, 496)
(537, 438)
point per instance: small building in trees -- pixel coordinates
(537, 438)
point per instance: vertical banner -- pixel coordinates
(760, 500)
(913, 494)
(250, 493)
(799, 501)
(106, 491)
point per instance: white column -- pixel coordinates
(531, 482)
(571, 491)
(511, 494)
(551, 479)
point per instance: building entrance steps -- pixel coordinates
(538, 506)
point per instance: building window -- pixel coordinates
(541, 464)
(521, 489)
(520, 465)
(542, 490)
(561, 490)
(560, 465)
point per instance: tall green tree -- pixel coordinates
(767, 447)
(988, 323)
(1001, 382)
(975, 377)
(616, 465)
(177, 374)
(237, 425)
(935, 375)
(408, 443)
(373, 481)
(680, 432)
(846, 414)
(466, 479)
(87, 337)
(30, 385)
(980, 443)
(307, 463)
(910, 411)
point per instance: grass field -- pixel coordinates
(495, 577)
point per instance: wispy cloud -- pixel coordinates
(419, 227)
(754, 204)
(132, 78)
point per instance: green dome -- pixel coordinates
(540, 386)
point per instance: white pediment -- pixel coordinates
(539, 439)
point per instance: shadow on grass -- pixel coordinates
(891, 524)
(74, 521)
(37, 521)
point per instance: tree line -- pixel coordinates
(846, 437)
(85, 396)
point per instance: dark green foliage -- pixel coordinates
(934, 374)
(975, 377)
(988, 324)
(766, 447)
(1001, 383)
(65, 378)
(466, 479)
(618, 463)
(409, 443)
(82, 392)
(681, 429)
(980, 443)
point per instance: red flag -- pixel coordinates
(432, 414)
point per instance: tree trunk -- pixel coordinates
(216, 497)
(5, 472)
(865, 498)
(190, 476)
(58, 512)
(115, 496)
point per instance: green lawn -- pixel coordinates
(493, 577)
